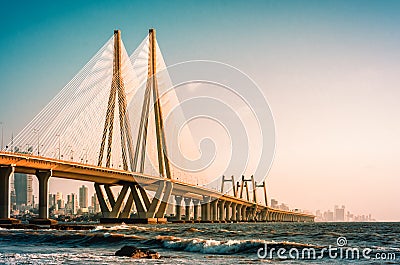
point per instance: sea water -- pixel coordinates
(236, 243)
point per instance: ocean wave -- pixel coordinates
(124, 227)
(381, 249)
(67, 238)
(210, 246)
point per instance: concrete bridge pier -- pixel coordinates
(264, 213)
(214, 210)
(205, 209)
(187, 208)
(221, 206)
(274, 217)
(244, 213)
(234, 213)
(252, 213)
(43, 177)
(228, 211)
(178, 213)
(5, 173)
(239, 208)
(195, 209)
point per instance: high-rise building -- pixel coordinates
(23, 189)
(328, 216)
(83, 197)
(339, 213)
(52, 201)
(284, 207)
(72, 203)
(13, 199)
(274, 203)
(60, 200)
(95, 204)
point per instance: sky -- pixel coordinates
(329, 70)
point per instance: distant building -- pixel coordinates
(274, 203)
(12, 194)
(60, 201)
(95, 204)
(284, 207)
(72, 204)
(328, 216)
(339, 214)
(83, 197)
(52, 201)
(23, 190)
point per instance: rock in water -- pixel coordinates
(137, 253)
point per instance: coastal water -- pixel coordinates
(209, 244)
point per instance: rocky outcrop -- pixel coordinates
(137, 253)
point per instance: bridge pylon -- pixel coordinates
(117, 93)
(134, 160)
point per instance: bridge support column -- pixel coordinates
(5, 173)
(264, 215)
(239, 212)
(178, 201)
(244, 213)
(221, 206)
(43, 178)
(228, 211)
(214, 210)
(251, 214)
(233, 214)
(205, 214)
(187, 208)
(196, 209)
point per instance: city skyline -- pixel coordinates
(331, 83)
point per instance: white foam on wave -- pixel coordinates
(126, 227)
(123, 226)
(208, 246)
(58, 258)
(380, 248)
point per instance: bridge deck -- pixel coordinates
(28, 164)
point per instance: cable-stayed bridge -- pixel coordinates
(108, 126)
